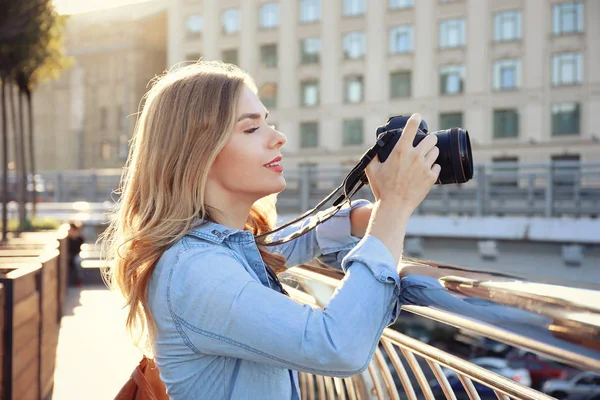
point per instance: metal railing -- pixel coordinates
(545, 189)
(561, 323)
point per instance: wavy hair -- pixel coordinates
(188, 114)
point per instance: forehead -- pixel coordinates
(249, 102)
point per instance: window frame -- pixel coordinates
(303, 142)
(445, 25)
(310, 11)
(394, 33)
(273, 14)
(501, 17)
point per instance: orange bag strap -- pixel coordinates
(141, 381)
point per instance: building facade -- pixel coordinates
(84, 119)
(522, 76)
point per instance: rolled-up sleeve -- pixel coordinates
(330, 241)
(219, 309)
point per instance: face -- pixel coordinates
(245, 168)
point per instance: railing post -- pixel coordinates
(91, 187)
(549, 192)
(304, 187)
(58, 187)
(480, 193)
(530, 194)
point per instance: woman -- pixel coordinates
(198, 186)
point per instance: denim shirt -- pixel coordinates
(225, 332)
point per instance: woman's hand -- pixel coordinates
(400, 184)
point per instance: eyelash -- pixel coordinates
(252, 130)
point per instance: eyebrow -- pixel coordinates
(252, 116)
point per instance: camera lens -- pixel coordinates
(455, 156)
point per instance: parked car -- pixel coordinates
(590, 396)
(540, 369)
(585, 383)
(497, 365)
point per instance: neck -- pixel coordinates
(229, 211)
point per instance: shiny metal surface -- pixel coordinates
(562, 323)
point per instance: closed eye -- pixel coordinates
(251, 130)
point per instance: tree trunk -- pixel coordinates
(31, 153)
(4, 164)
(18, 142)
(23, 194)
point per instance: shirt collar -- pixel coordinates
(216, 232)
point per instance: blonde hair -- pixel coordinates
(188, 114)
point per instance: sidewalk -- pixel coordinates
(95, 356)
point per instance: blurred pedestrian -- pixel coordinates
(75, 240)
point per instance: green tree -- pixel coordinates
(31, 51)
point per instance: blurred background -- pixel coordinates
(522, 76)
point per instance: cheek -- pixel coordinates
(237, 167)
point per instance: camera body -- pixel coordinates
(455, 158)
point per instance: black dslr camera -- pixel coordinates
(455, 156)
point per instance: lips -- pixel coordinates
(275, 160)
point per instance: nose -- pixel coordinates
(278, 139)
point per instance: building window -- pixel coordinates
(451, 79)
(401, 39)
(451, 120)
(230, 19)
(353, 89)
(507, 74)
(353, 132)
(354, 7)
(506, 123)
(354, 45)
(193, 25)
(269, 15)
(567, 69)
(310, 49)
(230, 56)
(309, 135)
(310, 10)
(507, 25)
(505, 171)
(452, 33)
(400, 84)
(268, 55)
(567, 18)
(565, 118)
(309, 93)
(105, 150)
(268, 95)
(396, 4)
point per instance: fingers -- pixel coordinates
(410, 131)
(427, 144)
(432, 156)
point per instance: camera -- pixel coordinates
(455, 156)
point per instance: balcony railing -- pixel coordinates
(555, 322)
(546, 190)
